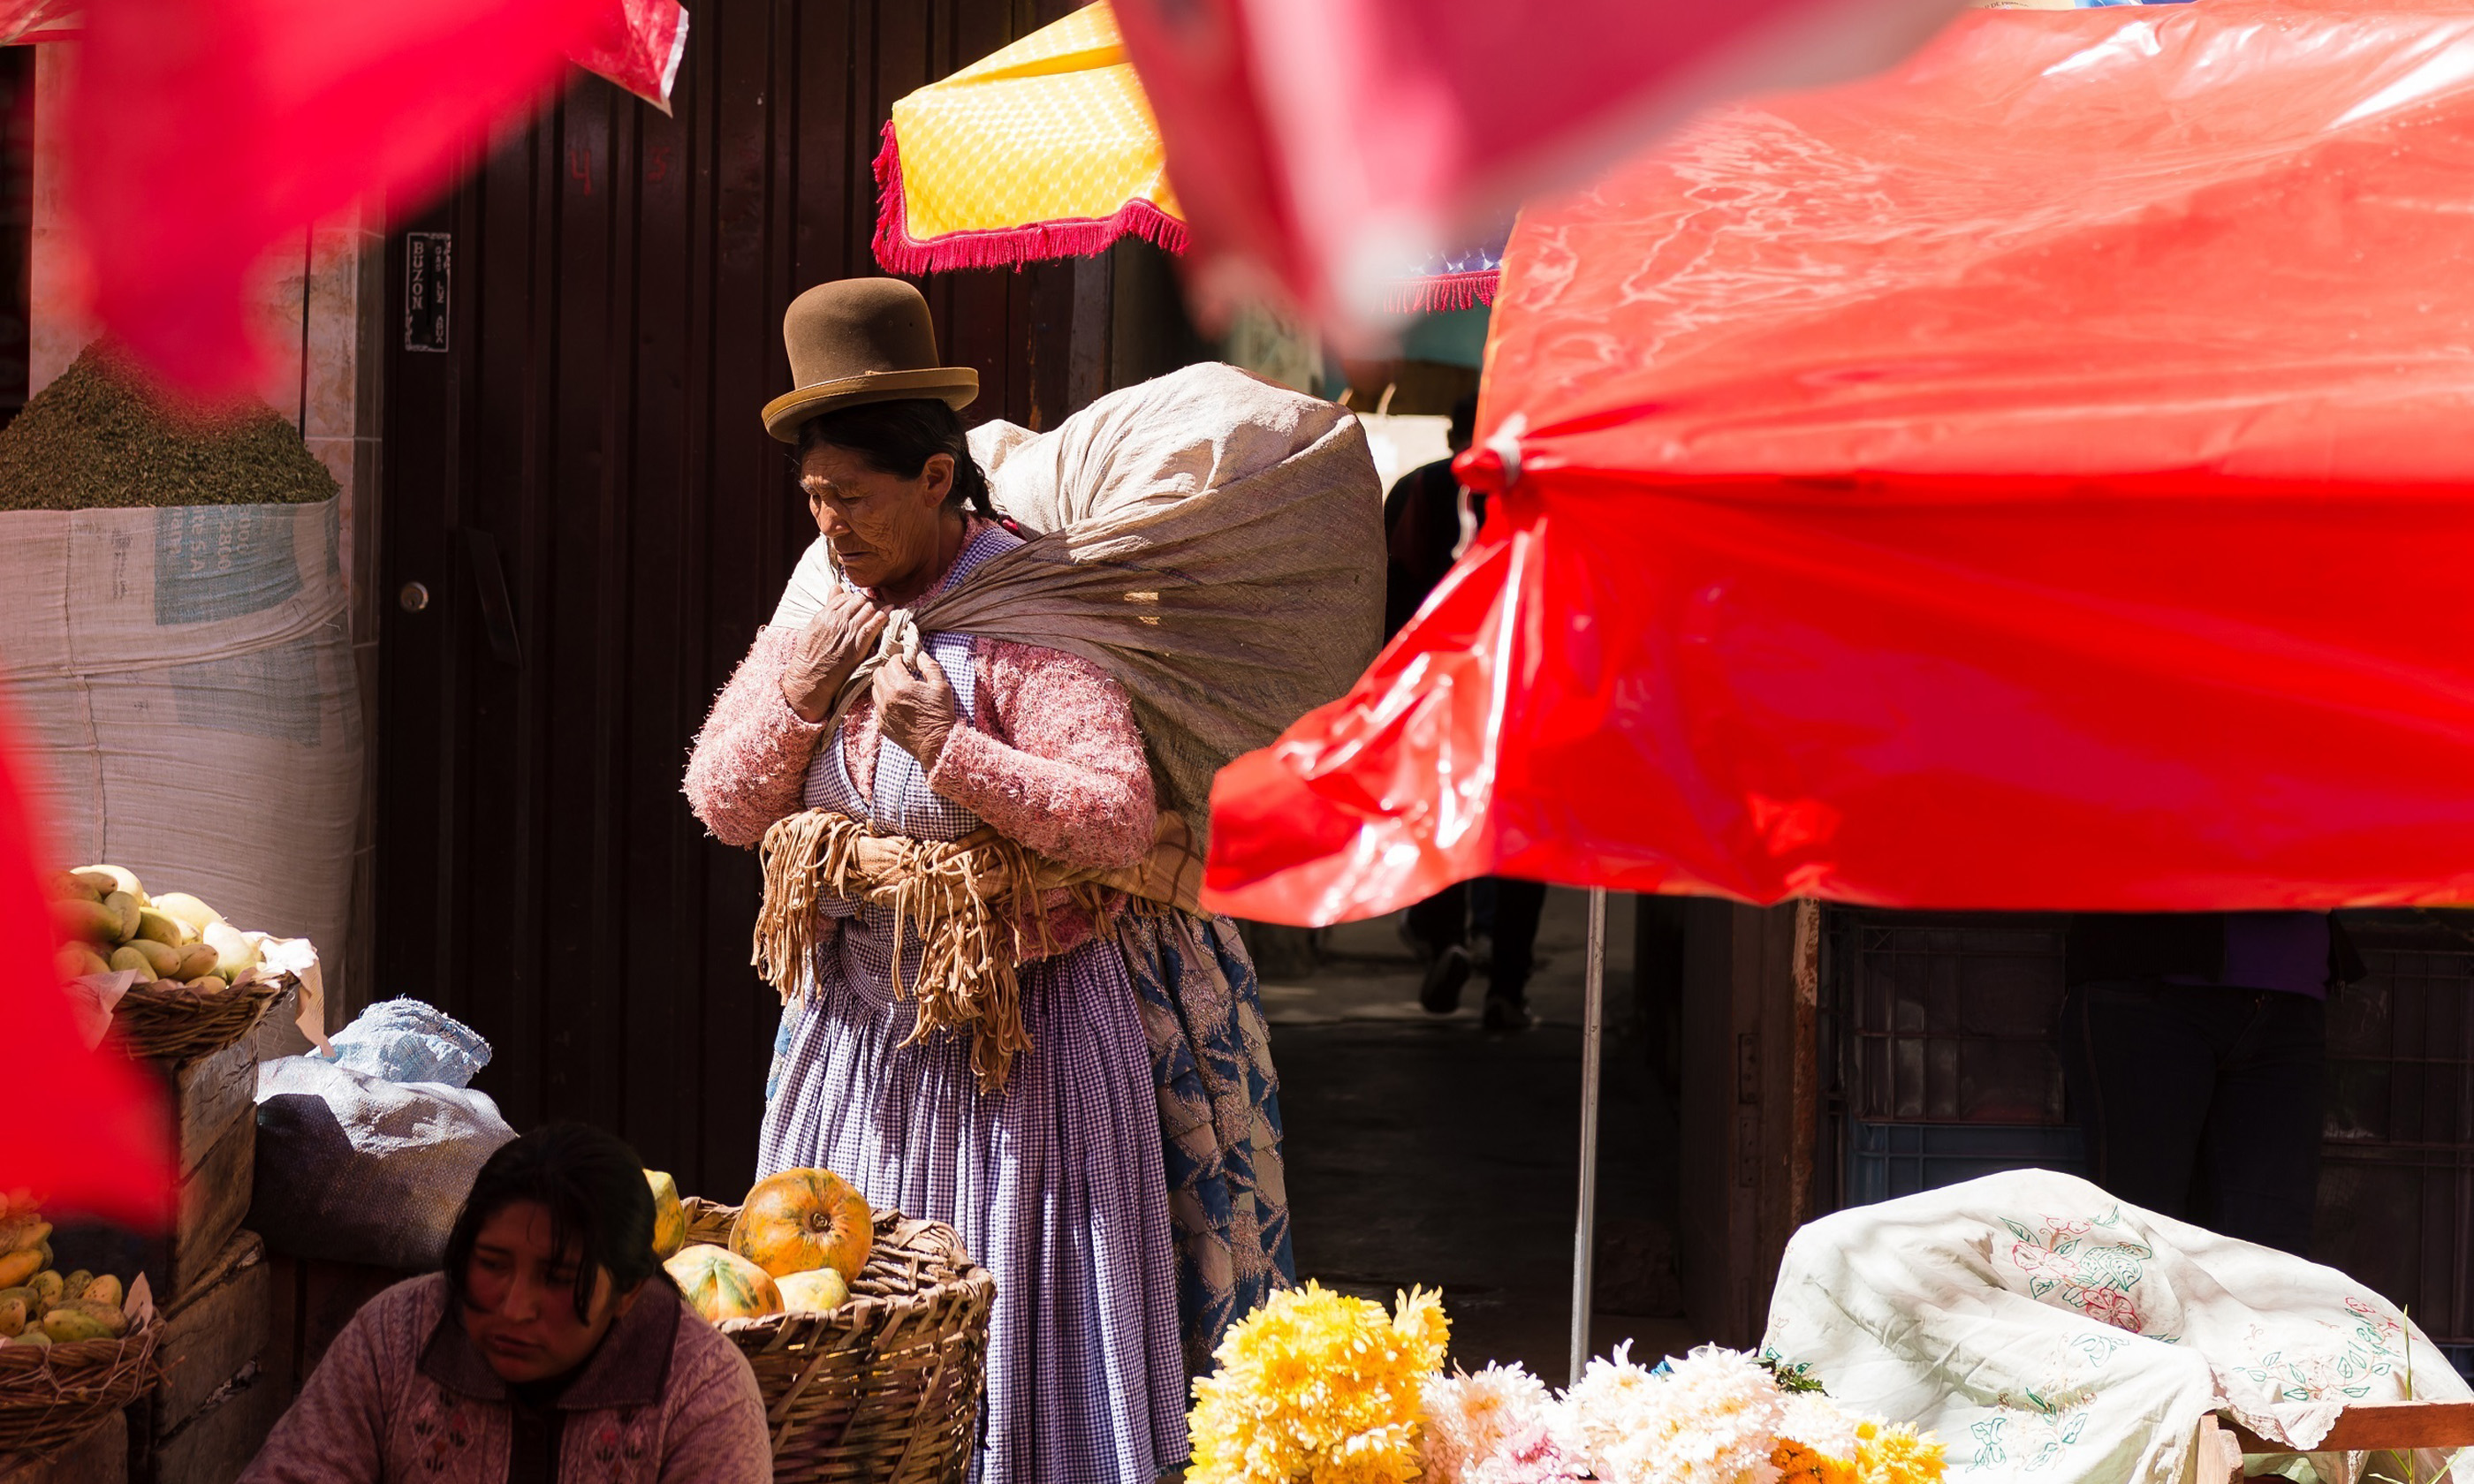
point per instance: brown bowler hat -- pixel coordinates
(862, 340)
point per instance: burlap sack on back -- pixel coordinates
(1212, 541)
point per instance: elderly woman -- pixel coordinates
(1055, 1179)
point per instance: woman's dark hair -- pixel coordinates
(898, 438)
(594, 1189)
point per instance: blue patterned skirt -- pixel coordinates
(1220, 1118)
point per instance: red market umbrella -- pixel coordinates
(2021, 480)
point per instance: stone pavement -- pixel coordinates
(1421, 1150)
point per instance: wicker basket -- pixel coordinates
(885, 1389)
(51, 1396)
(177, 1023)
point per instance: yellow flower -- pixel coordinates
(1798, 1463)
(1896, 1455)
(1316, 1387)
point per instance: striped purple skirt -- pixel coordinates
(1056, 1185)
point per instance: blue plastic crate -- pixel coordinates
(1889, 1160)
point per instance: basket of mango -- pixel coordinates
(74, 1346)
(198, 984)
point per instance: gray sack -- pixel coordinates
(354, 1168)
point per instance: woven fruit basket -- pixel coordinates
(177, 1023)
(51, 1396)
(885, 1389)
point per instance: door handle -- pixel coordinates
(498, 614)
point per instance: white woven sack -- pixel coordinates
(1212, 541)
(185, 678)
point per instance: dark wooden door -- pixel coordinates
(580, 485)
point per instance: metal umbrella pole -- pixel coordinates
(1594, 1018)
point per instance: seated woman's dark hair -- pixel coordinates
(898, 438)
(594, 1189)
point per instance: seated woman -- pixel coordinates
(552, 1348)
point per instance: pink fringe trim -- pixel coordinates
(1443, 292)
(897, 251)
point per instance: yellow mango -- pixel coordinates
(63, 886)
(27, 1294)
(234, 954)
(127, 959)
(124, 908)
(99, 884)
(66, 1325)
(105, 1289)
(188, 911)
(48, 1286)
(88, 922)
(162, 959)
(209, 984)
(160, 929)
(19, 1267)
(198, 958)
(122, 879)
(77, 960)
(12, 1316)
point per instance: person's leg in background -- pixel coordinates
(2259, 1157)
(1439, 928)
(1481, 942)
(1518, 905)
(2139, 1062)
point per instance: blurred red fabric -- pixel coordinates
(2031, 479)
(204, 132)
(637, 44)
(86, 1131)
(1332, 144)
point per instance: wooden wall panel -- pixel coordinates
(619, 278)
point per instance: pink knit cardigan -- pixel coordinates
(1050, 758)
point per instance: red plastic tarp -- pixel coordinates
(1325, 143)
(2042, 477)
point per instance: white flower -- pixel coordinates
(1489, 1428)
(1714, 1419)
(1822, 1424)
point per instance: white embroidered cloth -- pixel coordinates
(2050, 1332)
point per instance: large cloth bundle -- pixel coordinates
(1210, 539)
(2049, 1332)
(356, 1169)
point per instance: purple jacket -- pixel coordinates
(403, 1395)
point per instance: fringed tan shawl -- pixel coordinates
(978, 904)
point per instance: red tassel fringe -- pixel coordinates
(897, 251)
(1443, 292)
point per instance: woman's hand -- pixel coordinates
(827, 651)
(915, 707)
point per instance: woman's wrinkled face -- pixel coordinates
(519, 1298)
(883, 529)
